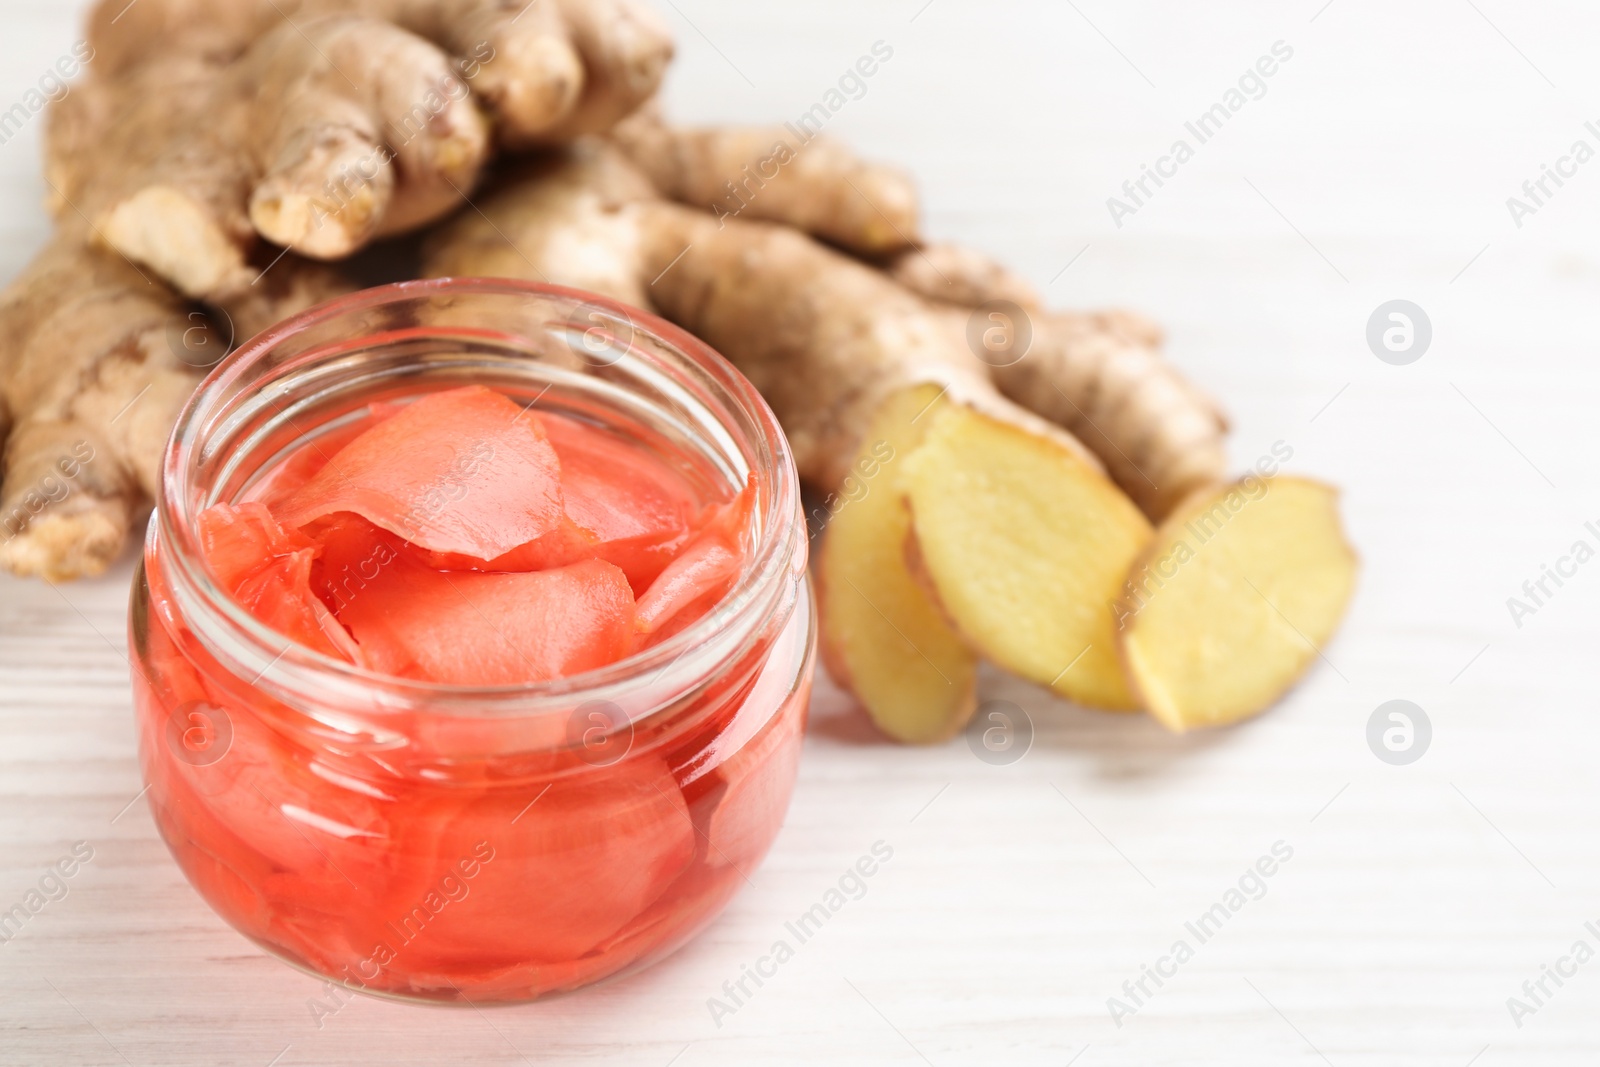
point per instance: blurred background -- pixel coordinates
(1374, 164)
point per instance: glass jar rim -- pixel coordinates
(294, 670)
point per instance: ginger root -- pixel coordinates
(777, 174)
(301, 140)
(960, 276)
(546, 72)
(86, 339)
(98, 360)
(321, 125)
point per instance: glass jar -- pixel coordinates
(453, 843)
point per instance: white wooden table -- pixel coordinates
(1020, 898)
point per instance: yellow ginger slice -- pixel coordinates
(1026, 546)
(883, 637)
(1236, 594)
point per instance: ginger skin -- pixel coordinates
(98, 361)
(767, 172)
(546, 72)
(961, 276)
(321, 125)
(87, 337)
(281, 142)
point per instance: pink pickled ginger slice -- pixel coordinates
(466, 628)
(464, 471)
(703, 573)
(267, 569)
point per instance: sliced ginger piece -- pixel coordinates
(883, 638)
(1027, 546)
(1231, 602)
